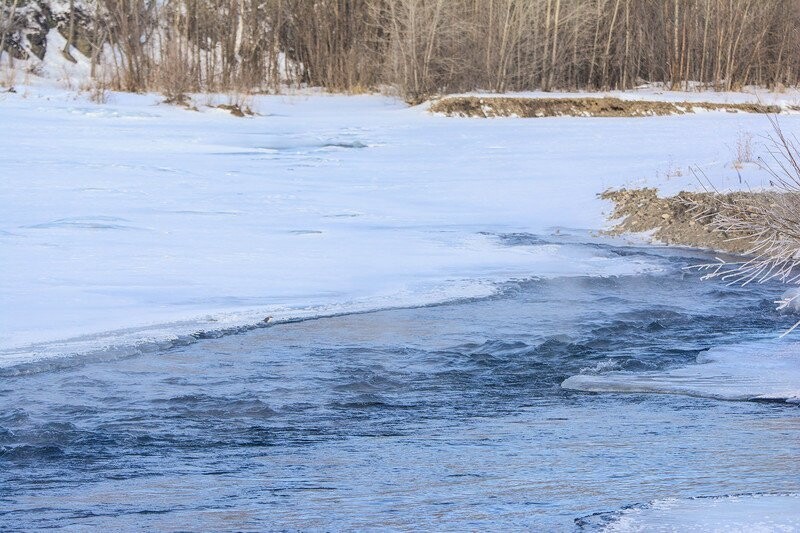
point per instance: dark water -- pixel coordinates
(445, 417)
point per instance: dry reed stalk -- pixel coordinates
(771, 220)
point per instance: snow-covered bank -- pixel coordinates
(489, 107)
(135, 221)
(646, 101)
(658, 93)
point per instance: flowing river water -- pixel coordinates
(440, 417)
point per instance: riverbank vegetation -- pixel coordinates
(761, 227)
(518, 106)
(417, 48)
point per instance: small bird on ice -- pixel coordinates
(267, 320)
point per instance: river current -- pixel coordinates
(446, 417)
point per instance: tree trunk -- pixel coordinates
(66, 52)
(554, 48)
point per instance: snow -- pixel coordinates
(134, 222)
(57, 67)
(740, 513)
(34, 77)
(767, 369)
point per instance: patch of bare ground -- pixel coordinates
(686, 219)
(490, 107)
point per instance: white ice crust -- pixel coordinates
(758, 513)
(135, 221)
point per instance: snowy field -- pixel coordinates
(131, 224)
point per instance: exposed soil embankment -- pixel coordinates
(686, 219)
(489, 107)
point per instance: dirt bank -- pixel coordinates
(685, 219)
(488, 107)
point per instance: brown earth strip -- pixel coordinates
(685, 219)
(489, 107)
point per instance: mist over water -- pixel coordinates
(440, 417)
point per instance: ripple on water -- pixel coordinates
(447, 416)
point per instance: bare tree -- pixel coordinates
(422, 47)
(6, 26)
(66, 52)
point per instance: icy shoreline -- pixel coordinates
(768, 369)
(139, 222)
(122, 343)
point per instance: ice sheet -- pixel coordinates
(766, 369)
(136, 220)
(754, 513)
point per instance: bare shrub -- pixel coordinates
(7, 26)
(239, 103)
(673, 170)
(173, 75)
(34, 69)
(744, 149)
(8, 77)
(97, 89)
(771, 220)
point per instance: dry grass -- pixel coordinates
(180, 100)
(684, 219)
(488, 107)
(744, 150)
(236, 110)
(239, 103)
(8, 76)
(771, 221)
(173, 76)
(762, 228)
(97, 89)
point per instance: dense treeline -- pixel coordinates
(422, 47)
